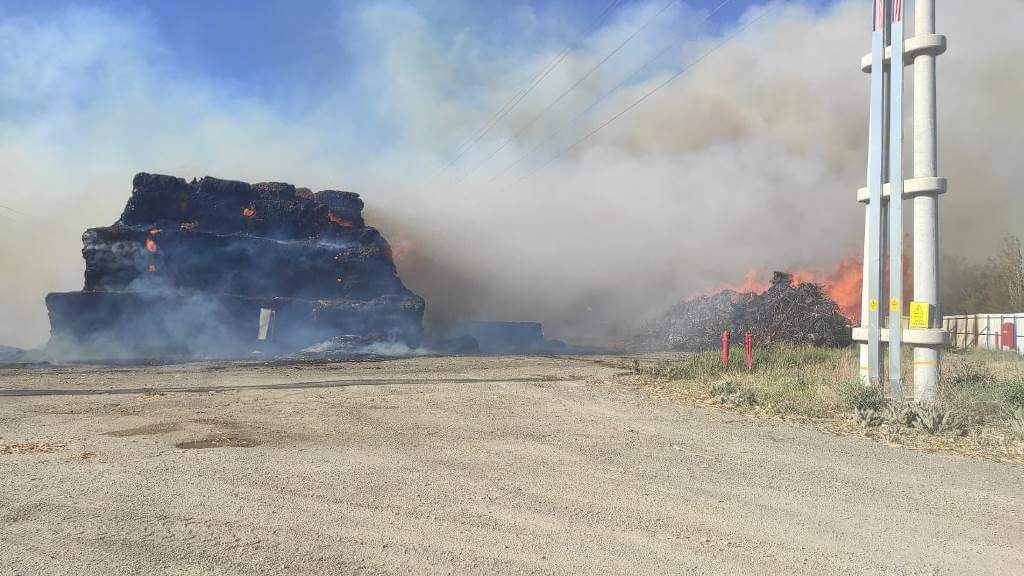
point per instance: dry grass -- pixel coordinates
(980, 412)
(810, 382)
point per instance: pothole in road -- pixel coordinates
(222, 441)
(147, 430)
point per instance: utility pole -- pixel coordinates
(926, 204)
(873, 270)
(885, 156)
(896, 203)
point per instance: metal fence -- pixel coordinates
(984, 331)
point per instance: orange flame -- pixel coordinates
(248, 212)
(842, 284)
(185, 226)
(154, 231)
(344, 223)
(150, 245)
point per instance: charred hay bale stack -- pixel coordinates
(785, 313)
(190, 269)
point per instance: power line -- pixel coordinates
(519, 96)
(628, 80)
(575, 85)
(507, 108)
(13, 211)
(651, 92)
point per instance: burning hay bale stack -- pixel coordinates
(787, 312)
(218, 268)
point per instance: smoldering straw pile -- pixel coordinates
(787, 312)
(210, 268)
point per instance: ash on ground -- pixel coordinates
(785, 313)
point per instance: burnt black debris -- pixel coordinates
(785, 313)
(217, 268)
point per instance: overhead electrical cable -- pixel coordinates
(13, 211)
(579, 81)
(726, 39)
(523, 92)
(504, 110)
(628, 80)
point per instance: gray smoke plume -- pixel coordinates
(750, 160)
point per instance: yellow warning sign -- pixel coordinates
(873, 305)
(894, 305)
(920, 315)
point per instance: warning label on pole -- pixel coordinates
(920, 315)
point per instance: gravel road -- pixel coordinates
(465, 466)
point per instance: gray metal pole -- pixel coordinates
(926, 206)
(865, 373)
(896, 205)
(883, 231)
(875, 177)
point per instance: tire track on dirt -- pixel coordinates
(23, 392)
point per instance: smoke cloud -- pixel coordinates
(750, 160)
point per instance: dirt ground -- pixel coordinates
(463, 465)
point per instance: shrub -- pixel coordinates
(869, 417)
(1015, 422)
(901, 414)
(866, 402)
(1014, 394)
(729, 393)
(934, 419)
(961, 371)
(860, 397)
(723, 388)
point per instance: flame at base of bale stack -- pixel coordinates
(787, 312)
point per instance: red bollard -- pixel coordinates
(725, 350)
(1009, 339)
(749, 340)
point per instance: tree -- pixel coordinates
(1008, 268)
(995, 287)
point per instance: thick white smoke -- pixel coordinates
(749, 160)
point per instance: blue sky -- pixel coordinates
(292, 58)
(269, 47)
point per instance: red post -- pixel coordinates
(725, 350)
(749, 340)
(1009, 335)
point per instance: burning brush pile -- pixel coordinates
(787, 312)
(217, 268)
